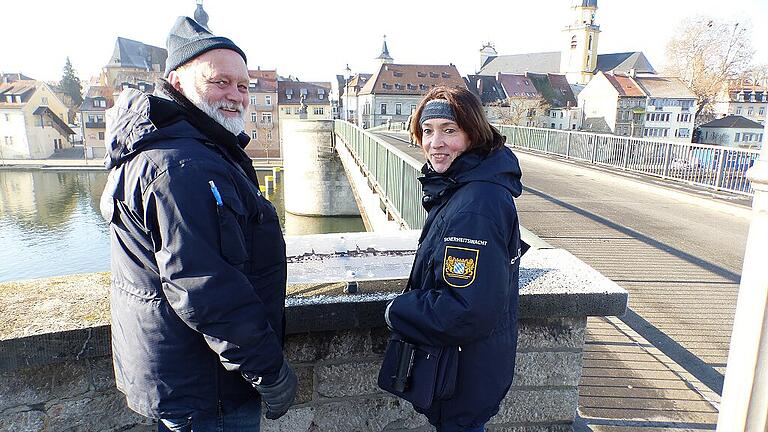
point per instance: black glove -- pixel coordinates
(279, 395)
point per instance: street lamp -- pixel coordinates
(348, 76)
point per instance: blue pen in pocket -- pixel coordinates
(216, 194)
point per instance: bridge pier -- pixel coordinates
(314, 178)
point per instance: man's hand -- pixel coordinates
(278, 396)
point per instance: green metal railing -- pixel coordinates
(389, 170)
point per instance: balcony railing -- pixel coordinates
(95, 125)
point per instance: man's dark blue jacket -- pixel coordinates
(198, 288)
(463, 289)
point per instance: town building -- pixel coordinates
(93, 121)
(261, 119)
(133, 63)
(744, 97)
(577, 57)
(670, 108)
(315, 95)
(536, 100)
(349, 96)
(393, 92)
(640, 106)
(613, 104)
(32, 119)
(732, 131)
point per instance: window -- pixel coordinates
(7, 117)
(253, 117)
(101, 136)
(254, 134)
(9, 140)
(738, 135)
(413, 108)
(269, 135)
(266, 117)
(319, 110)
(573, 42)
(552, 125)
(750, 111)
(738, 110)
(287, 110)
(268, 100)
(761, 112)
(253, 100)
(398, 109)
(683, 133)
(297, 110)
(383, 108)
(44, 100)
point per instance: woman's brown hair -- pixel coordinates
(470, 117)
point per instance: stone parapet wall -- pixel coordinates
(337, 392)
(56, 371)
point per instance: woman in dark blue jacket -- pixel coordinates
(463, 290)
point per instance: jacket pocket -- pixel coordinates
(232, 240)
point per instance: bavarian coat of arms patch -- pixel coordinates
(460, 266)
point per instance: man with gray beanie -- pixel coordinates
(198, 256)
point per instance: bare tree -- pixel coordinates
(705, 53)
(518, 111)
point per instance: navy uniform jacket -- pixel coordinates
(198, 289)
(463, 289)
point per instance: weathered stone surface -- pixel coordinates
(542, 428)
(358, 415)
(306, 378)
(104, 411)
(544, 334)
(102, 374)
(27, 421)
(538, 406)
(40, 384)
(348, 379)
(347, 344)
(547, 369)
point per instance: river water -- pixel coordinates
(50, 223)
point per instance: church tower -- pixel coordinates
(579, 53)
(201, 16)
(384, 57)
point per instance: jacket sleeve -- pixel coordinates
(210, 294)
(467, 286)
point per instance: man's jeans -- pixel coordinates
(244, 418)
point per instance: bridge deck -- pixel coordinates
(678, 254)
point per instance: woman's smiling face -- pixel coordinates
(442, 142)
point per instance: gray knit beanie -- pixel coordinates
(437, 108)
(188, 39)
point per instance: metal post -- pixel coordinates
(665, 172)
(720, 169)
(626, 154)
(745, 393)
(593, 138)
(546, 141)
(568, 146)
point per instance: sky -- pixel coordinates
(315, 40)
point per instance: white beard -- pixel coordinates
(235, 125)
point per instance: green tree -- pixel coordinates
(70, 84)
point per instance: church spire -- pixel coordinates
(201, 16)
(384, 57)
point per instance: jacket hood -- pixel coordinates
(138, 119)
(500, 166)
